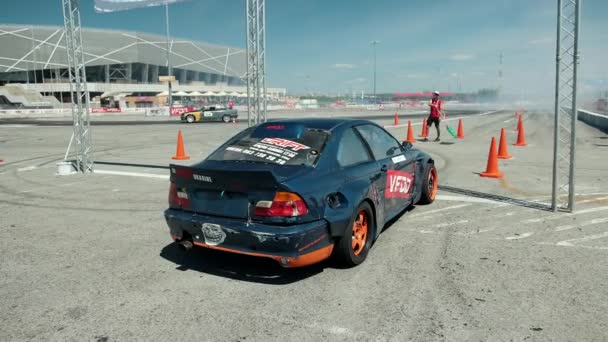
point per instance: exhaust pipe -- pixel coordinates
(185, 245)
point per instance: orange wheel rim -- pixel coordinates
(433, 185)
(360, 231)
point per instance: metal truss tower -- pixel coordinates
(78, 87)
(256, 62)
(567, 59)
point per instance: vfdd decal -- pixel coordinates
(399, 184)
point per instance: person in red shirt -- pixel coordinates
(435, 115)
(230, 104)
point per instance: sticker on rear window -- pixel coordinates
(285, 143)
(271, 153)
(399, 184)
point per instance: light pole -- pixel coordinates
(374, 43)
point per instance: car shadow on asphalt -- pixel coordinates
(238, 267)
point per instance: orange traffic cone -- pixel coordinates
(425, 132)
(396, 119)
(410, 132)
(492, 168)
(519, 122)
(460, 134)
(521, 134)
(180, 154)
(502, 146)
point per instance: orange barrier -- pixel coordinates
(410, 132)
(425, 131)
(502, 146)
(460, 134)
(492, 167)
(521, 135)
(180, 154)
(396, 119)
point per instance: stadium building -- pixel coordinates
(122, 68)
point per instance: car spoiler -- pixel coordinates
(231, 180)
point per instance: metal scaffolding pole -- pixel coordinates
(567, 59)
(256, 62)
(78, 87)
(169, 68)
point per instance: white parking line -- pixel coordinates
(584, 224)
(558, 216)
(28, 168)
(520, 236)
(438, 210)
(48, 187)
(464, 199)
(441, 225)
(592, 200)
(131, 174)
(571, 242)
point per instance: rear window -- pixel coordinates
(282, 144)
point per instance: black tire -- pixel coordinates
(429, 184)
(345, 251)
(190, 118)
(226, 118)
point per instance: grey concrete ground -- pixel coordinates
(88, 257)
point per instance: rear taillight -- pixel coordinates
(284, 204)
(178, 198)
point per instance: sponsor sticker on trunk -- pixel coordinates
(399, 184)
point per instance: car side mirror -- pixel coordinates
(407, 145)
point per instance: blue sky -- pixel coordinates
(323, 45)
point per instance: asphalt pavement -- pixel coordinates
(89, 257)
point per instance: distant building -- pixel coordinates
(120, 65)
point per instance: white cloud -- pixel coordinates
(461, 57)
(344, 66)
(414, 76)
(454, 74)
(356, 80)
(478, 73)
(541, 41)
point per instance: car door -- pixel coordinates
(396, 163)
(207, 114)
(360, 172)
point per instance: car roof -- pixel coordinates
(327, 124)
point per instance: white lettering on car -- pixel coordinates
(202, 178)
(398, 184)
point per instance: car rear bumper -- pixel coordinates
(291, 246)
